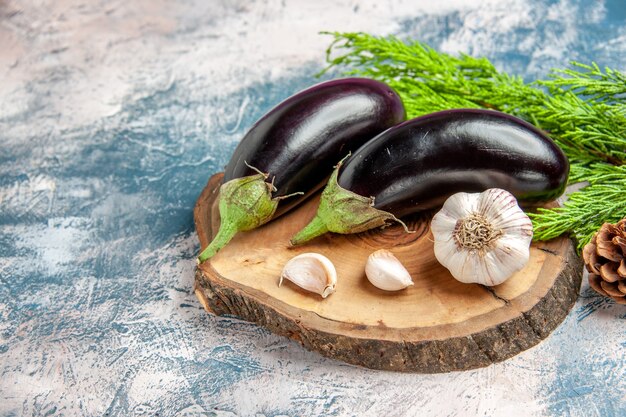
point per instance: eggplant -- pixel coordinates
(417, 165)
(291, 151)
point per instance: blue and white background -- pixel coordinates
(114, 114)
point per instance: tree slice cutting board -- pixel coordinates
(437, 325)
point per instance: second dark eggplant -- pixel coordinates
(418, 164)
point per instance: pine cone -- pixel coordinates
(605, 260)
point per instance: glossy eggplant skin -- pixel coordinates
(299, 141)
(418, 164)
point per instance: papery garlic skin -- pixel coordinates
(311, 271)
(386, 272)
(499, 233)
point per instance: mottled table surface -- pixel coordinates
(113, 115)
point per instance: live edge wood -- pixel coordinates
(438, 325)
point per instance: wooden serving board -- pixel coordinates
(437, 325)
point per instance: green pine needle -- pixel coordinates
(582, 108)
(601, 201)
(608, 86)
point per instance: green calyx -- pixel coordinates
(342, 211)
(244, 204)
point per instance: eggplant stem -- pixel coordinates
(224, 235)
(342, 211)
(403, 224)
(258, 171)
(282, 197)
(244, 204)
(340, 163)
(315, 228)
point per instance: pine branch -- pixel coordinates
(582, 108)
(429, 80)
(608, 86)
(584, 212)
(586, 130)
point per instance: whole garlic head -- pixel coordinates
(483, 237)
(386, 272)
(311, 271)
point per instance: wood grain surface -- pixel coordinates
(437, 325)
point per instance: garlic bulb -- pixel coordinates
(482, 238)
(312, 272)
(386, 272)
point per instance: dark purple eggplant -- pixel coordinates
(291, 151)
(418, 164)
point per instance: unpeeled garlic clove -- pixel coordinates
(312, 272)
(386, 272)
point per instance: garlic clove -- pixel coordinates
(311, 271)
(460, 205)
(482, 237)
(504, 213)
(441, 228)
(454, 260)
(386, 272)
(504, 261)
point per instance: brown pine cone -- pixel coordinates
(605, 260)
